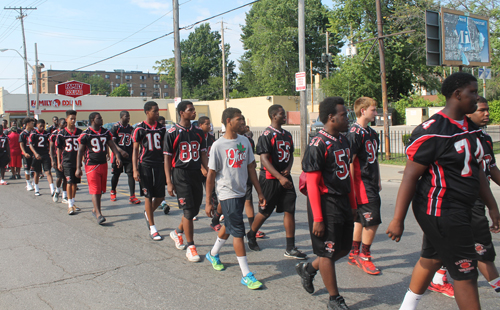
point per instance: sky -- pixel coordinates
(73, 34)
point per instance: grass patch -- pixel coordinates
(396, 159)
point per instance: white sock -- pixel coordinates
(58, 190)
(152, 229)
(438, 276)
(65, 194)
(242, 260)
(28, 182)
(52, 188)
(217, 246)
(37, 189)
(411, 301)
(495, 284)
(71, 202)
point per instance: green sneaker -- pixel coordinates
(250, 282)
(215, 260)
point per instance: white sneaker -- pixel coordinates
(29, 187)
(179, 242)
(55, 196)
(64, 200)
(192, 254)
(38, 194)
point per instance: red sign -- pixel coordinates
(73, 89)
(300, 81)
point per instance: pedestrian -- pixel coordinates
(443, 177)
(60, 178)
(4, 155)
(39, 144)
(55, 124)
(15, 153)
(231, 164)
(24, 144)
(185, 153)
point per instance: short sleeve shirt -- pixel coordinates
(453, 153)
(151, 140)
(185, 146)
(230, 158)
(122, 135)
(40, 141)
(67, 141)
(277, 143)
(4, 141)
(489, 156)
(96, 142)
(24, 138)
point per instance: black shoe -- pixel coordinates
(101, 219)
(18, 177)
(252, 243)
(13, 177)
(306, 277)
(337, 304)
(295, 253)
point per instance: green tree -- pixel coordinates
(201, 65)
(98, 85)
(270, 40)
(120, 91)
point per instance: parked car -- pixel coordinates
(108, 125)
(318, 125)
(81, 125)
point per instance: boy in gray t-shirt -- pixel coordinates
(231, 163)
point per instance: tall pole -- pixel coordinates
(302, 68)
(223, 66)
(312, 87)
(484, 82)
(177, 53)
(37, 80)
(383, 78)
(327, 55)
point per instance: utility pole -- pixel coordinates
(302, 68)
(177, 53)
(383, 78)
(223, 65)
(21, 17)
(327, 55)
(37, 81)
(312, 87)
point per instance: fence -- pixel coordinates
(256, 134)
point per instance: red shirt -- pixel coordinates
(15, 149)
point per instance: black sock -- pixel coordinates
(250, 221)
(131, 185)
(290, 243)
(216, 219)
(190, 243)
(310, 269)
(114, 181)
(334, 297)
(251, 233)
(179, 231)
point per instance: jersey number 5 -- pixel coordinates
(283, 150)
(343, 171)
(71, 145)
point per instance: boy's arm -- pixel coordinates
(168, 174)
(412, 173)
(488, 199)
(79, 157)
(59, 163)
(255, 182)
(209, 208)
(135, 161)
(266, 161)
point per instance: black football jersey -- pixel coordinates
(52, 128)
(4, 141)
(252, 143)
(24, 138)
(40, 141)
(67, 141)
(210, 140)
(332, 157)
(53, 138)
(96, 142)
(453, 153)
(151, 140)
(185, 146)
(122, 135)
(489, 156)
(277, 143)
(364, 144)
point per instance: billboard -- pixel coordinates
(466, 39)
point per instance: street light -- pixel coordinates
(25, 76)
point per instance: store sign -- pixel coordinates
(56, 103)
(73, 89)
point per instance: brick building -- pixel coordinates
(140, 84)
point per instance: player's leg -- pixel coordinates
(46, 167)
(27, 167)
(270, 190)
(213, 255)
(286, 205)
(131, 184)
(37, 167)
(215, 223)
(116, 172)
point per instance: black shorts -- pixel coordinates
(44, 163)
(4, 161)
(448, 238)
(248, 195)
(482, 235)
(189, 188)
(339, 226)
(127, 166)
(233, 216)
(27, 163)
(369, 214)
(152, 180)
(69, 174)
(277, 196)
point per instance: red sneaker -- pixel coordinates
(352, 259)
(365, 262)
(446, 288)
(112, 195)
(260, 234)
(133, 200)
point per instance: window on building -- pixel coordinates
(129, 84)
(106, 76)
(143, 85)
(165, 86)
(156, 78)
(165, 95)
(156, 94)
(131, 92)
(128, 77)
(117, 76)
(156, 86)
(143, 93)
(117, 84)
(142, 77)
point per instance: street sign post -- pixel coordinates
(73, 89)
(485, 74)
(300, 81)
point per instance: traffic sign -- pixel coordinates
(73, 89)
(485, 74)
(300, 81)
(177, 100)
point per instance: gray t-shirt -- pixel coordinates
(229, 159)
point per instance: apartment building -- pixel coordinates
(140, 84)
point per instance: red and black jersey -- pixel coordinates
(40, 141)
(53, 138)
(67, 141)
(96, 142)
(151, 140)
(364, 144)
(277, 143)
(185, 146)
(252, 143)
(453, 153)
(24, 138)
(122, 135)
(489, 156)
(332, 157)
(4, 142)
(210, 140)
(52, 128)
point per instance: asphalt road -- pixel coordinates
(49, 260)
